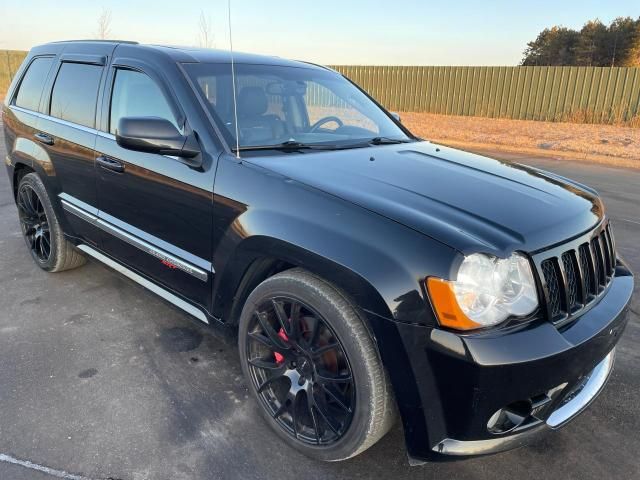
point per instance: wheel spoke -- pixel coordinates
(46, 245)
(263, 386)
(315, 331)
(335, 398)
(324, 349)
(281, 409)
(31, 239)
(314, 420)
(271, 333)
(25, 201)
(340, 379)
(29, 224)
(282, 316)
(264, 365)
(296, 330)
(38, 244)
(32, 201)
(266, 341)
(325, 417)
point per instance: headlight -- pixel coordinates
(486, 292)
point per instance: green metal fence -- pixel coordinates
(593, 94)
(587, 94)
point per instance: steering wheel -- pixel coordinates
(324, 120)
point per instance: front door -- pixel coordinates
(156, 211)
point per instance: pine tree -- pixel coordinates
(554, 46)
(629, 56)
(591, 47)
(594, 45)
(621, 31)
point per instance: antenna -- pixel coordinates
(233, 81)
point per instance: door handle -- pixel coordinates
(110, 163)
(44, 138)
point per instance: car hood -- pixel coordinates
(469, 202)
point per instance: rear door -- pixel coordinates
(67, 131)
(156, 210)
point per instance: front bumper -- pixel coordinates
(578, 401)
(456, 383)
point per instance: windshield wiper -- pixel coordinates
(288, 145)
(386, 141)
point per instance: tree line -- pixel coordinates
(595, 45)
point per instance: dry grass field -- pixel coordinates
(607, 144)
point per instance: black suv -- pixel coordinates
(365, 270)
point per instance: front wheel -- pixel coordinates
(313, 367)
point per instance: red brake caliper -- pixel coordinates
(279, 358)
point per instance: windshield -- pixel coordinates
(291, 107)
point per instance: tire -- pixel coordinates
(41, 228)
(339, 323)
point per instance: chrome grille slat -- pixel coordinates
(575, 274)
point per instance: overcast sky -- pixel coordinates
(409, 32)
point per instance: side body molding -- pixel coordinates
(194, 266)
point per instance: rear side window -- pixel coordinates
(32, 83)
(75, 93)
(137, 95)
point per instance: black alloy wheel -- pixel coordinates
(34, 223)
(300, 371)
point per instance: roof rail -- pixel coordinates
(319, 66)
(131, 42)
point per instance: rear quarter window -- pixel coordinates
(30, 89)
(75, 93)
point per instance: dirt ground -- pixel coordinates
(607, 144)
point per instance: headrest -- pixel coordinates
(252, 102)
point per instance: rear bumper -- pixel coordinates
(580, 400)
(457, 383)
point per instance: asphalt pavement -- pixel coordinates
(101, 379)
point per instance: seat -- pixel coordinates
(254, 126)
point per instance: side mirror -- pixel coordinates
(155, 135)
(396, 116)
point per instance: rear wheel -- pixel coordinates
(41, 228)
(313, 367)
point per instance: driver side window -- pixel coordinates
(137, 95)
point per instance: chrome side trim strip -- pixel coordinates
(78, 203)
(155, 241)
(108, 136)
(146, 247)
(168, 296)
(151, 250)
(78, 212)
(593, 386)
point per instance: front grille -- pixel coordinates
(575, 276)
